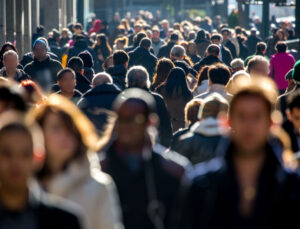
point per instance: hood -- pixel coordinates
(117, 70)
(208, 127)
(103, 89)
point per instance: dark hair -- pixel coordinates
(6, 45)
(138, 37)
(203, 75)
(104, 45)
(163, 69)
(216, 36)
(62, 72)
(12, 98)
(293, 100)
(260, 47)
(77, 26)
(281, 47)
(76, 64)
(145, 43)
(200, 36)
(120, 57)
(40, 29)
(174, 37)
(219, 74)
(176, 84)
(213, 50)
(225, 30)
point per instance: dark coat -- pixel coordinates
(209, 60)
(82, 83)
(226, 55)
(202, 46)
(20, 76)
(118, 73)
(76, 96)
(164, 51)
(213, 200)
(28, 57)
(228, 44)
(80, 46)
(144, 57)
(44, 73)
(251, 43)
(96, 99)
(134, 186)
(290, 130)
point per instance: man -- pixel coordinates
(228, 43)
(177, 53)
(157, 42)
(261, 49)
(252, 41)
(22, 203)
(39, 33)
(258, 65)
(143, 56)
(225, 54)
(165, 29)
(119, 69)
(218, 77)
(237, 65)
(137, 28)
(200, 143)
(138, 77)
(43, 69)
(247, 187)
(148, 182)
(165, 50)
(212, 57)
(10, 69)
(97, 102)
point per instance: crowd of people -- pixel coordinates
(140, 123)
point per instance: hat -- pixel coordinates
(87, 59)
(288, 76)
(212, 106)
(39, 41)
(296, 72)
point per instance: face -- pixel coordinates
(192, 49)
(137, 29)
(216, 41)
(165, 25)
(10, 62)
(64, 34)
(131, 124)
(60, 142)
(155, 34)
(250, 123)
(16, 160)
(40, 51)
(67, 83)
(120, 45)
(225, 35)
(294, 117)
(279, 35)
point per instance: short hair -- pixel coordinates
(212, 106)
(191, 111)
(255, 61)
(145, 43)
(10, 52)
(102, 78)
(216, 36)
(77, 26)
(219, 74)
(237, 63)
(213, 50)
(293, 100)
(174, 37)
(137, 76)
(40, 29)
(281, 46)
(120, 57)
(178, 51)
(76, 64)
(62, 72)
(260, 47)
(226, 30)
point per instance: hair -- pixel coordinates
(104, 44)
(145, 43)
(212, 106)
(176, 84)
(11, 96)
(137, 76)
(34, 92)
(102, 78)
(76, 64)
(281, 47)
(123, 40)
(5, 46)
(255, 61)
(213, 50)
(202, 75)
(39, 29)
(261, 47)
(77, 26)
(138, 37)
(237, 63)
(174, 37)
(188, 48)
(216, 36)
(293, 100)
(219, 74)
(106, 61)
(62, 72)
(120, 57)
(177, 51)
(163, 69)
(200, 36)
(191, 111)
(10, 52)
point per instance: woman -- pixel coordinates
(71, 168)
(176, 95)
(202, 43)
(202, 81)
(97, 26)
(6, 47)
(192, 52)
(102, 50)
(163, 69)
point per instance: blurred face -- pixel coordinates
(120, 45)
(294, 117)
(61, 143)
(165, 25)
(131, 124)
(10, 62)
(192, 49)
(67, 83)
(40, 51)
(137, 29)
(279, 35)
(216, 41)
(64, 35)
(155, 34)
(250, 123)
(16, 160)
(225, 35)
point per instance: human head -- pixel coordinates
(219, 74)
(120, 57)
(281, 47)
(293, 111)
(191, 111)
(261, 48)
(163, 68)
(65, 33)
(39, 49)
(145, 43)
(77, 28)
(192, 48)
(177, 52)
(216, 39)
(6, 47)
(10, 60)
(174, 37)
(213, 50)
(237, 65)
(155, 32)
(225, 34)
(66, 80)
(101, 78)
(164, 24)
(137, 76)
(40, 30)
(76, 64)
(258, 65)
(87, 59)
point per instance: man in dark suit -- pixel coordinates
(225, 54)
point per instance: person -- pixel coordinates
(226, 33)
(165, 29)
(165, 50)
(88, 64)
(10, 69)
(212, 57)
(225, 54)
(261, 49)
(71, 167)
(23, 204)
(34, 96)
(64, 39)
(6, 47)
(258, 65)
(148, 181)
(157, 42)
(237, 65)
(200, 143)
(43, 69)
(247, 185)
(244, 51)
(53, 44)
(162, 70)
(142, 56)
(97, 26)
(292, 124)
(66, 80)
(202, 81)
(119, 69)
(218, 77)
(280, 64)
(202, 43)
(83, 84)
(102, 50)
(138, 77)
(97, 102)
(39, 33)
(252, 41)
(192, 52)
(176, 95)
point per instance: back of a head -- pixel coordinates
(191, 111)
(138, 37)
(137, 76)
(174, 37)
(87, 59)
(76, 64)
(213, 50)
(237, 63)
(261, 47)
(120, 57)
(219, 74)
(11, 97)
(178, 51)
(200, 35)
(145, 43)
(281, 47)
(102, 78)
(256, 60)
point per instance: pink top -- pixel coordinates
(280, 64)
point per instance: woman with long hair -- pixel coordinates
(71, 168)
(191, 51)
(163, 69)
(202, 81)
(102, 50)
(6, 47)
(176, 94)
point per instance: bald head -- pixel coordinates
(101, 78)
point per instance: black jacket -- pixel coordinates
(80, 46)
(213, 200)
(20, 76)
(290, 130)
(226, 55)
(118, 73)
(251, 43)
(209, 60)
(144, 57)
(82, 83)
(28, 57)
(165, 50)
(228, 44)
(96, 101)
(44, 73)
